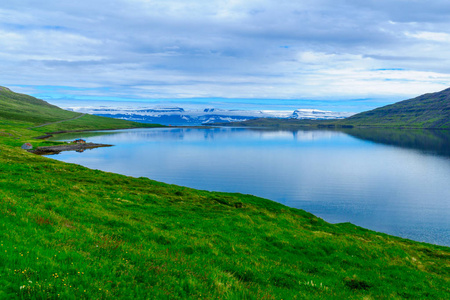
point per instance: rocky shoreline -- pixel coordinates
(70, 147)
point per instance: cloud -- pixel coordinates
(406, 11)
(430, 36)
(226, 48)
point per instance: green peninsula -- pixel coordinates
(73, 233)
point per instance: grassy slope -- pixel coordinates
(76, 233)
(30, 111)
(14, 106)
(426, 111)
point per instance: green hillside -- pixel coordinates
(68, 232)
(20, 107)
(33, 112)
(426, 111)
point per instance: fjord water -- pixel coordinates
(396, 182)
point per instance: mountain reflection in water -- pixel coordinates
(426, 140)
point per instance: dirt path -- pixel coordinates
(77, 117)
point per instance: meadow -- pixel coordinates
(73, 233)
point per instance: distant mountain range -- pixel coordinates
(15, 106)
(181, 116)
(427, 111)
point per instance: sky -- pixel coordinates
(339, 54)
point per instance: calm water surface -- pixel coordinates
(400, 186)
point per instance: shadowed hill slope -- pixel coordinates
(427, 111)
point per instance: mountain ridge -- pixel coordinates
(431, 110)
(199, 116)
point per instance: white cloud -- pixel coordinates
(11, 41)
(227, 48)
(430, 36)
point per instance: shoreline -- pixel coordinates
(100, 145)
(48, 150)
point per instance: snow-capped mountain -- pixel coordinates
(315, 114)
(180, 116)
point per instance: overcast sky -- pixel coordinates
(266, 49)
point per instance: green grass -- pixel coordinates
(74, 233)
(79, 233)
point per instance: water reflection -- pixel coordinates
(426, 140)
(331, 174)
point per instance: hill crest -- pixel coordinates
(431, 110)
(2, 88)
(21, 107)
